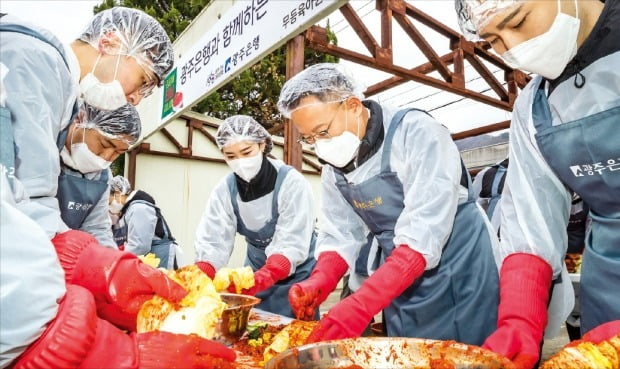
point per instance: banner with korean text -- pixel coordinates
(249, 30)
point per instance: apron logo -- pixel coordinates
(581, 170)
(370, 204)
(78, 206)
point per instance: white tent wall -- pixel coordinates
(181, 187)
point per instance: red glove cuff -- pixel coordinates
(603, 332)
(206, 268)
(525, 282)
(69, 247)
(68, 338)
(389, 281)
(278, 266)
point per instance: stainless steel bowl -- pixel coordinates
(388, 353)
(234, 319)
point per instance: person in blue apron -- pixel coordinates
(267, 202)
(141, 228)
(488, 186)
(399, 175)
(84, 304)
(87, 148)
(563, 138)
(119, 57)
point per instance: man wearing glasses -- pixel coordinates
(399, 176)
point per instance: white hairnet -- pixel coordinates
(473, 15)
(240, 128)
(120, 124)
(326, 81)
(120, 184)
(140, 36)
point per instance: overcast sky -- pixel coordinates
(67, 18)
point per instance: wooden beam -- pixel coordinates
(180, 156)
(397, 80)
(409, 75)
(294, 64)
(429, 21)
(207, 134)
(481, 130)
(172, 139)
(312, 164)
(359, 28)
(131, 170)
(486, 74)
(424, 46)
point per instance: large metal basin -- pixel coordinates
(388, 353)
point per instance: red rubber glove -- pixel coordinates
(352, 315)
(599, 334)
(308, 295)
(118, 280)
(524, 281)
(78, 338)
(206, 268)
(276, 268)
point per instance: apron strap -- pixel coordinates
(495, 189)
(232, 188)
(541, 112)
(387, 142)
(167, 233)
(282, 172)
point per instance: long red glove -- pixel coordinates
(308, 295)
(118, 280)
(78, 338)
(350, 316)
(525, 281)
(599, 334)
(276, 268)
(206, 268)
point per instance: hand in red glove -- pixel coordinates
(276, 268)
(77, 337)
(206, 268)
(118, 280)
(525, 282)
(350, 316)
(308, 295)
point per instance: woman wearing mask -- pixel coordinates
(564, 137)
(397, 174)
(89, 145)
(141, 228)
(266, 201)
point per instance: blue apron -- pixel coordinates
(274, 299)
(7, 142)
(77, 196)
(496, 195)
(456, 300)
(162, 247)
(585, 155)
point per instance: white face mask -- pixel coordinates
(82, 159)
(107, 96)
(339, 150)
(116, 207)
(549, 53)
(247, 168)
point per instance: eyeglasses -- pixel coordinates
(321, 135)
(147, 88)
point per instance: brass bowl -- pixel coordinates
(234, 320)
